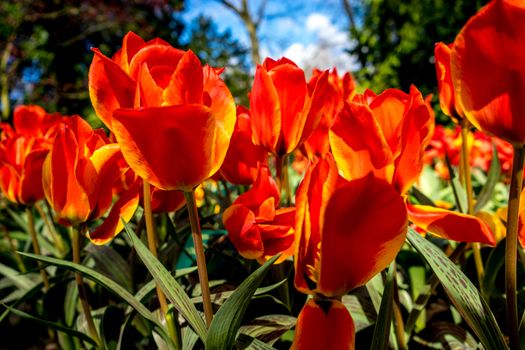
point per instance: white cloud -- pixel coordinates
(326, 49)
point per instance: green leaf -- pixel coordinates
(53, 325)
(384, 316)
(495, 264)
(174, 292)
(20, 281)
(361, 308)
(250, 343)
(107, 283)
(226, 323)
(109, 262)
(268, 328)
(465, 297)
(492, 179)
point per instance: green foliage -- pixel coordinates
(395, 40)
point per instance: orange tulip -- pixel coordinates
(487, 70)
(324, 324)
(256, 226)
(284, 111)
(447, 99)
(78, 175)
(333, 216)
(190, 108)
(243, 159)
(337, 91)
(386, 135)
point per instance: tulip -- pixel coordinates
(190, 106)
(284, 111)
(78, 175)
(487, 73)
(489, 79)
(339, 224)
(243, 159)
(256, 226)
(386, 135)
(447, 98)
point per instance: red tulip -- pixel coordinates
(243, 159)
(386, 135)
(284, 111)
(488, 71)
(256, 226)
(190, 108)
(78, 175)
(333, 216)
(324, 324)
(447, 99)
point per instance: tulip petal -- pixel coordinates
(487, 72)
(180, 156)
(186, 84)
(324, 324)
(131, 44)
(266, 112)
(166, 201)
(358, 144)
(154, 56)
(123, 209)
(263, 189)
(450, 225)
(290, 84)
(242, 231)
(447, 99)
(31, 180)
(148, 90)
(355, 231)
(109, 87)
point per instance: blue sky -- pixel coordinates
(312, 33)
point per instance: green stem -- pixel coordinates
(281, 173)
(59, 243)
(18, 259)
(511, 246)
(36, 245)
(77, 234)
(398, 318)
(152, 245)
(465, 157)
(199, 252)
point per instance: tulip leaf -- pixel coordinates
(465, 297)
(107, 283)
(492, 179)
(53, 325)
(459, 192)
(226, 323)
(250, 343)
(381, 337)
(171, 288)
(109, 262)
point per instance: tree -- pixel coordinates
(395, 42)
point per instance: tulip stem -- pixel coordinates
(281, 173)
(77, 233)
(511, 245)
(199, 252)
(152, 245)
(465, 164)
(36, 245)
(59, 243)
(18, 259)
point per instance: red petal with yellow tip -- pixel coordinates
(151, 95)
(242, 231)
(184, 141)
(123, 209)
(131, 44)
(31, 180)
(109, 87)
(450, 225)
(357, 142)
(355, 231)
(488, 71)
(263, 189)
(447, 99)
(324, 324)
(166, 201)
